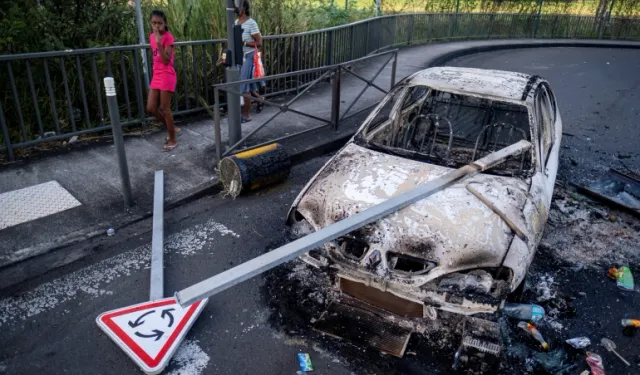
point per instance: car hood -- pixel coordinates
(452, 227)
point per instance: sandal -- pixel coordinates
(260, 106)
(245, 119)
(169, 148)
(178, 134)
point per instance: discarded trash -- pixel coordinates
(73, 139)
(533, 331)
(631, 323)
(523, 311)
(611, 346)
(579, 342)
(305, 362)
(616, 188)
(111, 232)
(561, 305)
(623, 277)
(585, 372)
(630, 326)
(595, 364)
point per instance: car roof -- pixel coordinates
(500, 84)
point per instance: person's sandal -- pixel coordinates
(245, 119)
(178, 134)
(169, 148)
(260, 106)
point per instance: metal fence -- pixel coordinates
(51, 96)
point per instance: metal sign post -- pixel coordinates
(232, 74)
(150, 332)
(118, 139)
(156, 287)
(141, 36)
(265, 262)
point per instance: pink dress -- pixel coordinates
(164, 75)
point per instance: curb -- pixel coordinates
(31, 262)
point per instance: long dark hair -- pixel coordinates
(160, 14)
(245, 5)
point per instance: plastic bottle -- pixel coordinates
(533, 331)
(523, 311)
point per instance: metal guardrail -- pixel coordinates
(333, 72)
(51, 96)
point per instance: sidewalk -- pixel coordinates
(91, 176)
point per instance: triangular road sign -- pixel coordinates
(150, 332)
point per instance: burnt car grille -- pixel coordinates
(384, 300)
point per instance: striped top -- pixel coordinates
(249, 27)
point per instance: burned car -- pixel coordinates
(462, 251)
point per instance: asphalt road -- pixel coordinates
(48, 325)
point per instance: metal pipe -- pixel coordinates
(141, 38)
(112, 102)
(156, 284)
(5, 135)
(256, 266)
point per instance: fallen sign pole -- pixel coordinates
(247, 270)
(151, 332)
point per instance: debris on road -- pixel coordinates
(623, 277)
(579, 342)
(523, 311)
(533, 332)
(254, 169)
(630, 326)
(617, 189)
(595, 364)
(111, 232)
(304, 359)
(611, 346)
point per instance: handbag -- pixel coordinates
(258, 68)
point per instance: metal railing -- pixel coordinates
(52, 96)
(333, 72)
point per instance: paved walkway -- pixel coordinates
(91, 176)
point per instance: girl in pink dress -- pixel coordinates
(163, 83)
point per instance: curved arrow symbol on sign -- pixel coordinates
(168, 312)
(139, 321)
(156, 333)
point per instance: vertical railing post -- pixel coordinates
(329, 47)
(410, 31)
(335, 98)
(296, 60)
(353, 42)
(535, 33)
(118, 140)
(5, 135)
(366, 43)
(394, 67)
(216, 123)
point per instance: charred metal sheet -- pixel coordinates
(363, 327)
(616, 188)
(510, 222)
(383, 300)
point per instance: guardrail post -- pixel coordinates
(366, 43)
(329, 47)
(296, 60)
(353, 42)
(535, 32)
(118, 140)
(394, 66)
(335, 98)
(410, 31)
(216, 123)
(5, 135)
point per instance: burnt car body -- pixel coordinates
(466, 248)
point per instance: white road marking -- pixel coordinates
(92, 281)
(190, 359)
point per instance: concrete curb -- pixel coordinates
(27, 263)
